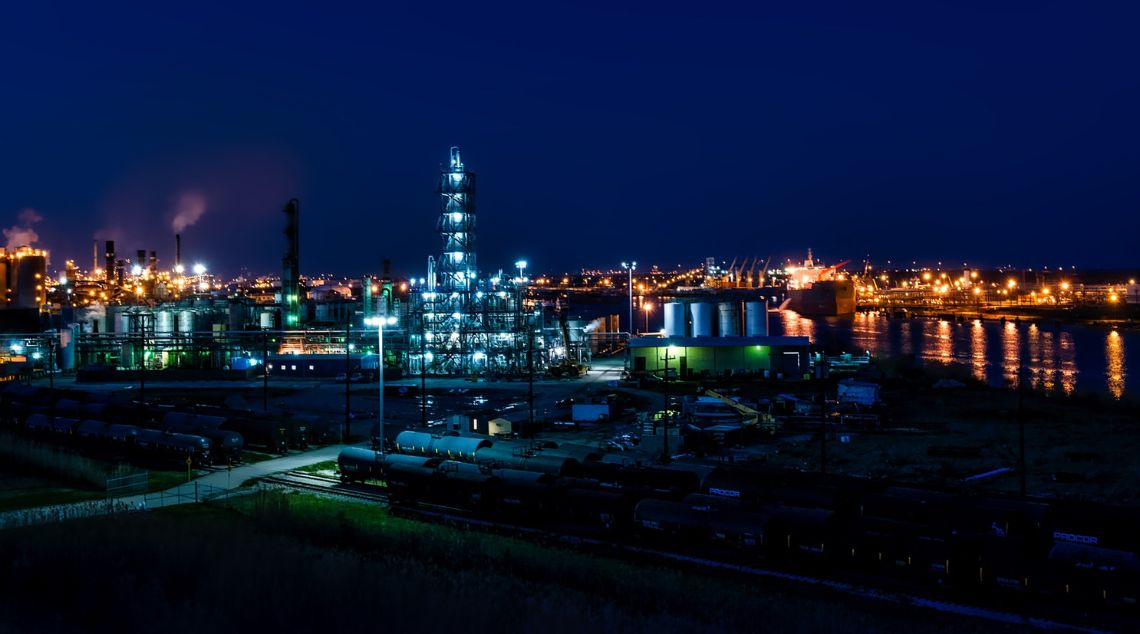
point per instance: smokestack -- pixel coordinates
(152, 263)
(109, 261)
(140, 260)
(94, 255)
(291, 266)
(177, 250)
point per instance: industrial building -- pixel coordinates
(689, 349)
(128, 314)
(460, 321)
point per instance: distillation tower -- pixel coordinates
(461, 323)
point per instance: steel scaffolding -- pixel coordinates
(459, 323)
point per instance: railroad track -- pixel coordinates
(320, 484)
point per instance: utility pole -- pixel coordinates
(530, 368)
(264, 370)
(423, 375)
(822, 375)
(668, 413)
(142, 365)
(51, 362)
(347, 376)
(1021, 418)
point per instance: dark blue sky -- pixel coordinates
(985, 132)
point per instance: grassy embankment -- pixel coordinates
(289, 562)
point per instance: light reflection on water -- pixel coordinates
(978, 350)
(1057, 358)
(1114, 351)
(1068, 364)
(1011, 354)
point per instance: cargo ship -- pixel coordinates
(819, 291)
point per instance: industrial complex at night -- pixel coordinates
(756, 317)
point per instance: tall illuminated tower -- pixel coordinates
(291, 267)
(456, 266)
(458, 323)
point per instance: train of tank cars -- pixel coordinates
(150, 434)
(967, 544)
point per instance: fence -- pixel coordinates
(185, 494)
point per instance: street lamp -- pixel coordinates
(379, 322)
(630, 267)
(648, 308)
(521, 264)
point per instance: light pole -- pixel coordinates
(821, 374)
(668, 407)
(265, 369)
(648, 308)
(521, 264)
(347, 376)
(630, 267)
(379, 323)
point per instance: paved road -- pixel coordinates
(231, 479)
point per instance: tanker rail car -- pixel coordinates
(966, 547)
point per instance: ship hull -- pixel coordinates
(823, 299)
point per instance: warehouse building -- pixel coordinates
(695, 357)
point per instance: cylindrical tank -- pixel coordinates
(674, 319)
(702, 319)
(122, 323)
(324, 314)
(756, 319)
(266, 320)
(186, 321)
(164, 322)
(68, 339)
(728, 319)
(237, 316)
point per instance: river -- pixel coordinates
(1057, 358)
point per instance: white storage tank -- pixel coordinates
(163, 322)
(122, 323)
(674, 319)
(702, 319)
(728, 319)
(186, 321)
(265, 320)
(756, 319)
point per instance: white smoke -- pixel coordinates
(22, 234)
(191, 206)
(94, 312)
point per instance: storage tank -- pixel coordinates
(164, 322)
(237, 316)
(728, 319)
(702, 319)
(186, 321)
(265, 320)
(756, 319)
(674, 319)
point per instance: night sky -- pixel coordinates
(984, 132)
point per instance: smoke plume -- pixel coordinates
(191, 206)
(22, 234)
